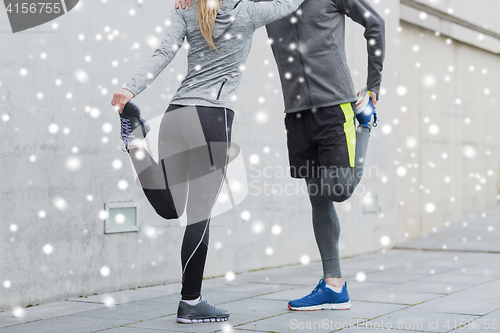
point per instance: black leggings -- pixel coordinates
(192, 155)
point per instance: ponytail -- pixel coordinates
(207, 11)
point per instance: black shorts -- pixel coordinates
(323, 138)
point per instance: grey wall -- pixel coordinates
(455, 90)
(482, 13)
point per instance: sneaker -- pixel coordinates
(322, 298)
(365, 109)
(203, 312)
(131, 119)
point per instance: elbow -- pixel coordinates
(376, 20)
(381, 22)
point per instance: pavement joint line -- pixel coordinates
(270, 293)
(350, 326)
(110, 328)
(452, 269)
(479, 317)
(139, 300)
(440, 250)
(26, 322)
(260, 319)
(402, 329)
(406, 304)
(152, 329)
(465, 314)
(271, 283)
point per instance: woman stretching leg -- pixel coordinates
(219, 33)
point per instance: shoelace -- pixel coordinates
(204, 300)
(126, 132)
(313, 293)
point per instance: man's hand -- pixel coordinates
(121, 98)
(373, 97)
(182, 3)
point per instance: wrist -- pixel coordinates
(130, 91)
(374, 91)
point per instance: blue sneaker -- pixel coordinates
(322, 298)
(365, 109)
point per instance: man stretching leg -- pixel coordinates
(324, 147)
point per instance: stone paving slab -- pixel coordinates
(477, 300)
(127, 329)
(361, 329)
(455, 245)
(68, 324)
(46, 311)
(292, 275)
(421, 269)
(475, 235)
(9, 321)
(395, 296)
(256, 289)
(492, 262)
(172, 288)
(119, 297)
(55, 309)
(355, 287)
(435, 287)
(453, 277)
(300, 322)
(388, 277)
(484, 271)
(140, 310)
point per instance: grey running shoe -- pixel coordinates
(203, 312)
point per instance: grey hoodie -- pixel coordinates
(314, 72)
(213, 76)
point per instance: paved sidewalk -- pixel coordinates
(417, 287)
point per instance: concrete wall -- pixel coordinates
(448, 146)
(481, 13)
(55, 183)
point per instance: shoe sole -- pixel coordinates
(195, 321)
(330, 306)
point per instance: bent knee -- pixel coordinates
(338, 197)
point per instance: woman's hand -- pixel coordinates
(121, 98)
(183, 3)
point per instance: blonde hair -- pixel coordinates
(205, 17)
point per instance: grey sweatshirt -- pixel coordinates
(213, 76)
(309, 49)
